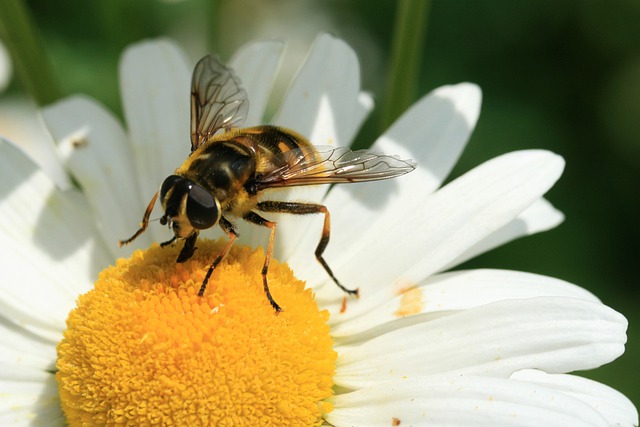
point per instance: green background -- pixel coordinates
(563, 76)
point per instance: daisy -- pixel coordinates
(422, 345)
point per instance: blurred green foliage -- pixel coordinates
(563, 76)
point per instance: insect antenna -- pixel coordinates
(144, 224)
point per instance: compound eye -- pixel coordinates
(202, 208)
(169, 184)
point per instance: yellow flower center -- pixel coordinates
(142, 348)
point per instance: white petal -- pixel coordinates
(445, 294)
(540, 216)
(324, 104)
(21, 373)
(611, 404)
(20, 348)
(19, 123)
(50, 253)
(448, 400)
(97, 151)
(257, 64)
(433, 132)
(555, 334)
(533, 173)
(155, 83)
(31, 403)
(429, 232)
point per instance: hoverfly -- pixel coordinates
(227, 172)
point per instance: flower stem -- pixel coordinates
(406, 52)
(213, 29)
(18, 32)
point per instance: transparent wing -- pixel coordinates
(331, 166)
(217, 100)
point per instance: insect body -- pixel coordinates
(227, 171)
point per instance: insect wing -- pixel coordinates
(331, 166)
(217, 100)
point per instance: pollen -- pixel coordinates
(142, 348)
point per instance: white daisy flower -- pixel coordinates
(421, 346)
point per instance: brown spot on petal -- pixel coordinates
(343, 307)
(395, 421)
(79, 142)
(410, 303)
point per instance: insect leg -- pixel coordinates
(188, 249)
(168, 242)
(306, 209)
(143, 224)
(257, 219)
(227, 227)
